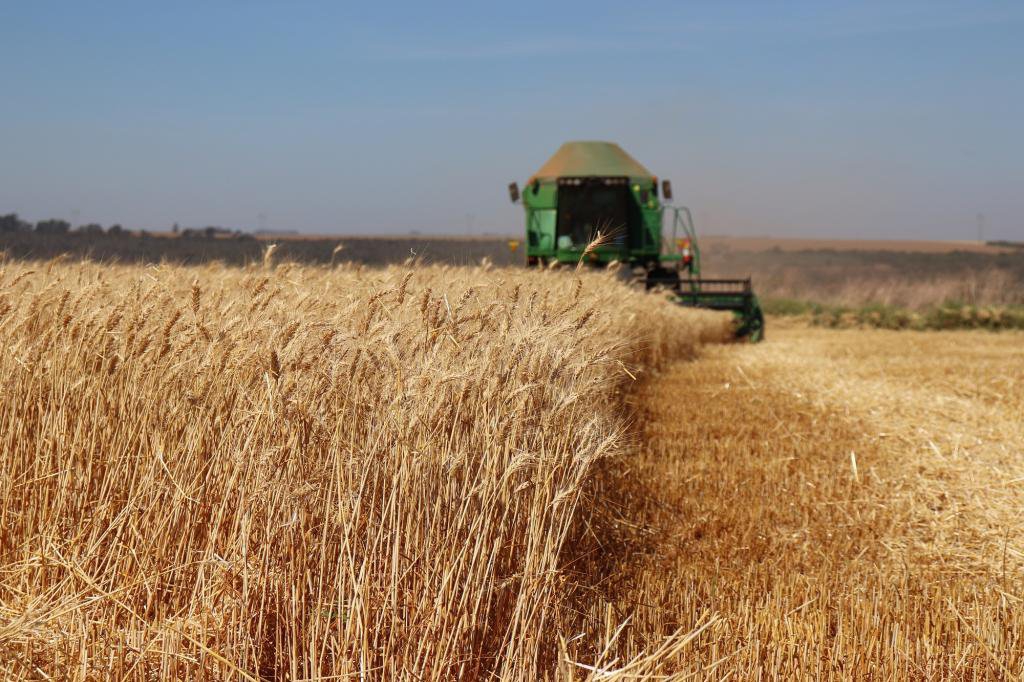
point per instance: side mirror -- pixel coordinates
(666, 190)
(513, 192)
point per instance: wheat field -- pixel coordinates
(285, 472)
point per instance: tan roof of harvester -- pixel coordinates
(594, 159)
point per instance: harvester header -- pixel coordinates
(588, 188)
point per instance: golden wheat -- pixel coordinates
(285, 472)
(297, 473)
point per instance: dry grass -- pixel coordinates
(915, 292)
(848, 505)
(308, 473)
(914, 280)
(760, 244)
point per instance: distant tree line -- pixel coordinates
(1006, 243)
(12, 223)
(213, 232)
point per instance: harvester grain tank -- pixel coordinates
(588, 188)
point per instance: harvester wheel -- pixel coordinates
(752, 327)
(663, 277)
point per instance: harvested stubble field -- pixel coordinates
(310, 473)
(845, 505)
(145, 248)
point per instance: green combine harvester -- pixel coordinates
(588, 188)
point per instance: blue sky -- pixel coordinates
(895, 119)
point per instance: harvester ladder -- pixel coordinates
(682, 219)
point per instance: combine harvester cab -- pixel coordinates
(588, 188)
